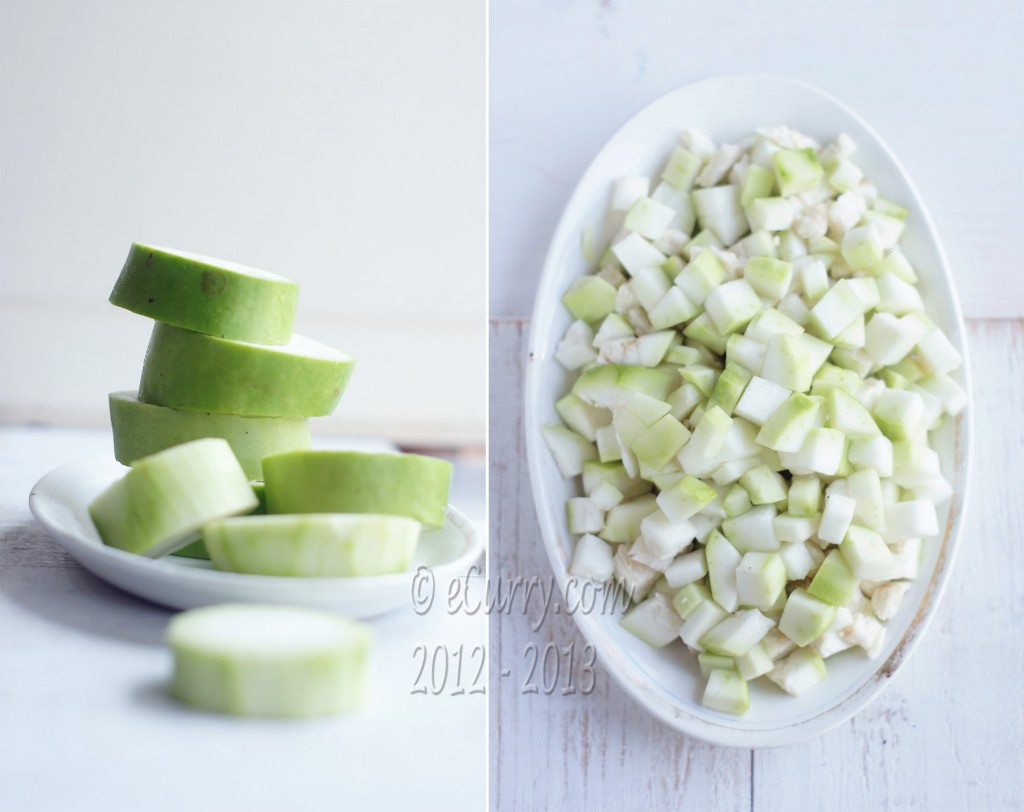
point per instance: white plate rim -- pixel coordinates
(623, 670)
(87, 552)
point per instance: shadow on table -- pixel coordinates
(40, 577)
(153, 695)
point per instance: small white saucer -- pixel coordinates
(60, 502)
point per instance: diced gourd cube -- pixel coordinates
(760, 579)
(688, 598)
(737, 634)
(654, 621)
(732, 305)
(796, 170)
(753, 530)
(727, 692)
(686, 498)
(589, 298)
(834, 582)
(799, 672)
(634, 252)
(592, 558)
(722, 559)
(569, 449)
(805, 617)
(836, 517)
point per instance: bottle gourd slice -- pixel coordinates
(355, 482)
(209, 296)
(197, 549)
(142, 429)
(163, 500)
(314, 545)
(256, 660)
(199, 373)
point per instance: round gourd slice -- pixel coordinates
(356, 482)
(142, 429)
(313, 545)
(197, 549)
(207, 295)
(199, 373)
(163, 500)
(256, 660)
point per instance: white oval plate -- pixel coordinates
(667, 682)
(60, 501)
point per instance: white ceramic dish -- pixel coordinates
(60, 501)
(668, 682)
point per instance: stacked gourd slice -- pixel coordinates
(222, 360)
(225, 395)
(755, 384)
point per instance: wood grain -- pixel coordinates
(572, 752)
(947, 735)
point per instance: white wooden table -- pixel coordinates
(949, 732)
(85, 723)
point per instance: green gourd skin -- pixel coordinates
(206, 295)
(141, 429)
(355, 482)
(313, 545)
(269, 661)
(160, 504)
(194, 372)
(197, 549)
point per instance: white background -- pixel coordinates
(939, 80)
(338, 143)
(942, 81)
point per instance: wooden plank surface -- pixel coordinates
(948, 734)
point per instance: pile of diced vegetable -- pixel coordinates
(757, 380)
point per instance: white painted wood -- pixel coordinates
(947, 735)
(939, 84)
(86, 724)
(594, 752)
(340, 144)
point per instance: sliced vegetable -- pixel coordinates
(199, 373)
(206, 295)
(142, 429)
(410, 485)
(163, 500)
(313, 545)
(281, 661)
